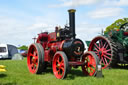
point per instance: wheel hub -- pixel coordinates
(100, 53)
(58, 65)
(34, 60)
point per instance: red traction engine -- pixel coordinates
(61, 50)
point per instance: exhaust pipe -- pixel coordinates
(72, 22)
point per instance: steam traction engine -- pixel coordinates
(112, 47)
(62, 50)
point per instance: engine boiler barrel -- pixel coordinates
(74, 48)
(72, 22)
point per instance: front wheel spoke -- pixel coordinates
(31, 54)
(36, 63)
(59, 71)
(58, 60)
(62, 68)
(35, 57)
(62, 63)
(36, 52)
(32, 65)
(57, 66)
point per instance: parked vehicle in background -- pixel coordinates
(7, 51)
(3, 51)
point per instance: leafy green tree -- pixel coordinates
(116, 25)
(23, 47)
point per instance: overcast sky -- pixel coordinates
(21, 20)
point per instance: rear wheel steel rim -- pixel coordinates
(90, 65)
(58, 66)
(32, 59)
(102, 49)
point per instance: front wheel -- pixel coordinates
(91, 62)
(60, 65)
(35, 58)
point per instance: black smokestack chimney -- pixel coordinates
(72, 22)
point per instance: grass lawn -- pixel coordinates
(18, 74)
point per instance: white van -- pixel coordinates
(3, 51)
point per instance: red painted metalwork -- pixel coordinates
(90, 66)
(126, 33)
(59, 48)
(103, 50)
(59, 65)
(74, 63)
(32, 59)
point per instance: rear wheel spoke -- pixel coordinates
(107, 57)
(108, 53)
(107, 50)
(96, 49)
(101, 43)
(96, 45)
(106, 46)
(103, 60)
(106, 61)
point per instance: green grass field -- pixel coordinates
(18, 74)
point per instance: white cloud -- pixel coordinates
(116, 2)
(105, 12)
(74, 3)
(21, 31)
(17, 31)
(38, 25)
(13, 31)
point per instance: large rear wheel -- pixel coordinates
(35, 58)
(91, 62)
(60, 65)
(105, 49)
